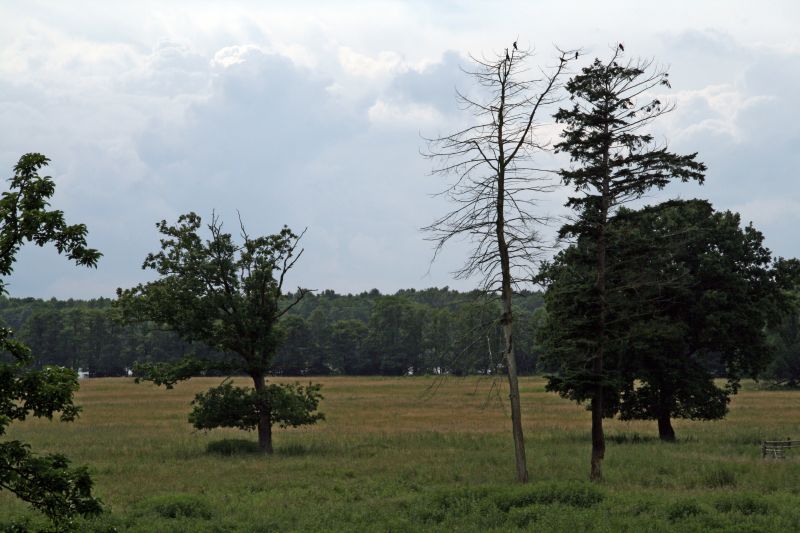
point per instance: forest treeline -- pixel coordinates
(436, 330)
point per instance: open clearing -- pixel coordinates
(421, 454)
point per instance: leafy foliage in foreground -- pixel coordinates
(46, 482)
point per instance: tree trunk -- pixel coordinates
(507, 319)
(265, 420)
(598, 439)
(516, 410)
(598, 436)
(665, 431)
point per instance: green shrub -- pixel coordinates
(524, 516)
(178, 506)
(229, 447)
(15, 527)
(571, 494)
(500, 507)
(717, 477)
(747, 504)
(634, 438)
(682, 509)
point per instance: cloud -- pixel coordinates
(384, 65)
(403, 113)
(714, 110)
(311, 115)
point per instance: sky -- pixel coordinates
(314, 115)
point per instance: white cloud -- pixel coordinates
(404, 114)
(234, 55)
(310, 114)
(714, 109)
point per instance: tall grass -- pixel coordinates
(420, 454)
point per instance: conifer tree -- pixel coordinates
(613, 161)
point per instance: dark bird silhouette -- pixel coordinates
(622, 48)
(576, 55)
(515, 45)
(507, 58)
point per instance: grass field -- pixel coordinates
(418, 454)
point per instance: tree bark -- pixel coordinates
(598, 439)
(507, 319)
(516, 410)
(665, 431)
(264, 420)
(598, 435)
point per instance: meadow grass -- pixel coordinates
(420, 454)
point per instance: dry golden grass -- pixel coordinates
(389, 440)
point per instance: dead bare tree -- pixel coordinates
(495, 186)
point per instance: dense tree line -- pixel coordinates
(419, 331)
(332, 333)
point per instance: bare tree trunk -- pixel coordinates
(265, 420)
(507, 319)
(516, 410)
(493, 203)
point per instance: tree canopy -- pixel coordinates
(613, 162)
(227, 295)
(693, 294)
(46, 482)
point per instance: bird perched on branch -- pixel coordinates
(622, 48)
(576, 55)
(507, 58)
(515, 45)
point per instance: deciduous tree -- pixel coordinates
(690, 296)
(495, 181)
(228, 296)
(47, 482)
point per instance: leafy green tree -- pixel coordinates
(346, 346)
(712, 313)
(477, 346)
(528, 349)
(438, 338)
(227, 296)
(612, 162)
(44, 333)
(693, 294)
(784, 369)
(395, 336)
(46, 482)
(294, 355)
(319, 327)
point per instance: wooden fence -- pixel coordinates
(776, 449)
